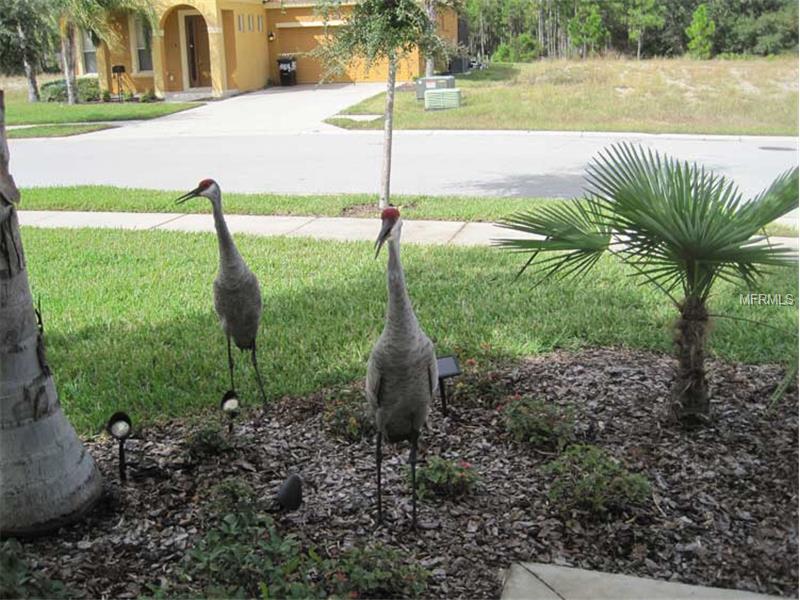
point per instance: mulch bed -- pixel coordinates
(723, 511)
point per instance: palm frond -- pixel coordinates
(573, 227)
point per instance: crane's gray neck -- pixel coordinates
(230, 261)
(399, 314)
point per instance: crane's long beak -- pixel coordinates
(193, 194)
(382, 236)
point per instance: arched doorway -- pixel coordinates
(187, 59)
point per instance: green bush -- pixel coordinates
(17, 581)
(345, 415)
(523, 48)
(106, 96)
(539, 423)
(445, 478)
(586, 478)
(374, 572)
(127, 96)
(207, 442)
(88, 90)
(148, 96)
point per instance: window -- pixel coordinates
(261, 23)
(89, 53)
(241, 22)
(249, 22)
(143, 36)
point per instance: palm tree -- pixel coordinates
(70, 16)
(47, 478)
(679, 227)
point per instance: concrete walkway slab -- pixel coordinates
(537, 581)
(455, 233)
(250, 224)
(105, 220)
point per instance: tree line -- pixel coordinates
(522, 30)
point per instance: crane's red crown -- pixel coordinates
(205, 184)
(390, 213)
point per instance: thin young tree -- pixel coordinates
(679, 228)
(47, 479)
(378, 30)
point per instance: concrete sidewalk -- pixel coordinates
(457, 233)
(537, 581)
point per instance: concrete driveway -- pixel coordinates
(295, 109)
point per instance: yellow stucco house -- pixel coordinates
(224, 47)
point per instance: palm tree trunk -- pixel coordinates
(68, 61)
(690, 401)
(430, 9)
(27, 64)
(47, 479)
(388, 117)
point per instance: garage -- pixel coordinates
(299, 40)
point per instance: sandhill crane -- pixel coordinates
(401, 374)
(237, 295)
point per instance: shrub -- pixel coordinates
(445, 478)
(207, 442)
(539, 423)
(345, 415)
(586, 478)
(502, 53)
(88, 90)
(374, 572)
(106, 96)
(127, 96)
(525, 48)
(244, 556)
(148, 96)
(17, 581)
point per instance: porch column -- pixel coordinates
(216, 53)
(158, 51)
(103, 69)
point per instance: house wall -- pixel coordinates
(251, 69)
(298, 30)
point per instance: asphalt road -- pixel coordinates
(438, 163)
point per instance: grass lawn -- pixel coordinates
(130, 323)
(40, 131)
(21, 112)
(753, 96)
(109, 198)
(443, 208)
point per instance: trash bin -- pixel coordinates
(287, 68)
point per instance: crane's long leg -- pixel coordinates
(230, 363)
(412, 458)
(378, 464)
(258, 375)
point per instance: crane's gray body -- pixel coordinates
(237, 294)
(402, 375)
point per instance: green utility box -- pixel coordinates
(442, 99)
(433, 83)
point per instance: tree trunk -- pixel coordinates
(690, 401)
(47, 479)
(430, 9)
(27, 64)
(68, 61)
(639, 46)
(388, 117)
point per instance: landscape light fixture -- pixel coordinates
(230, 406)
(271, 36)
(119, 427)
(448, 367)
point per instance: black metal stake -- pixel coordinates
(123, 476)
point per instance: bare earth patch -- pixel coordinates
(723, 510)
